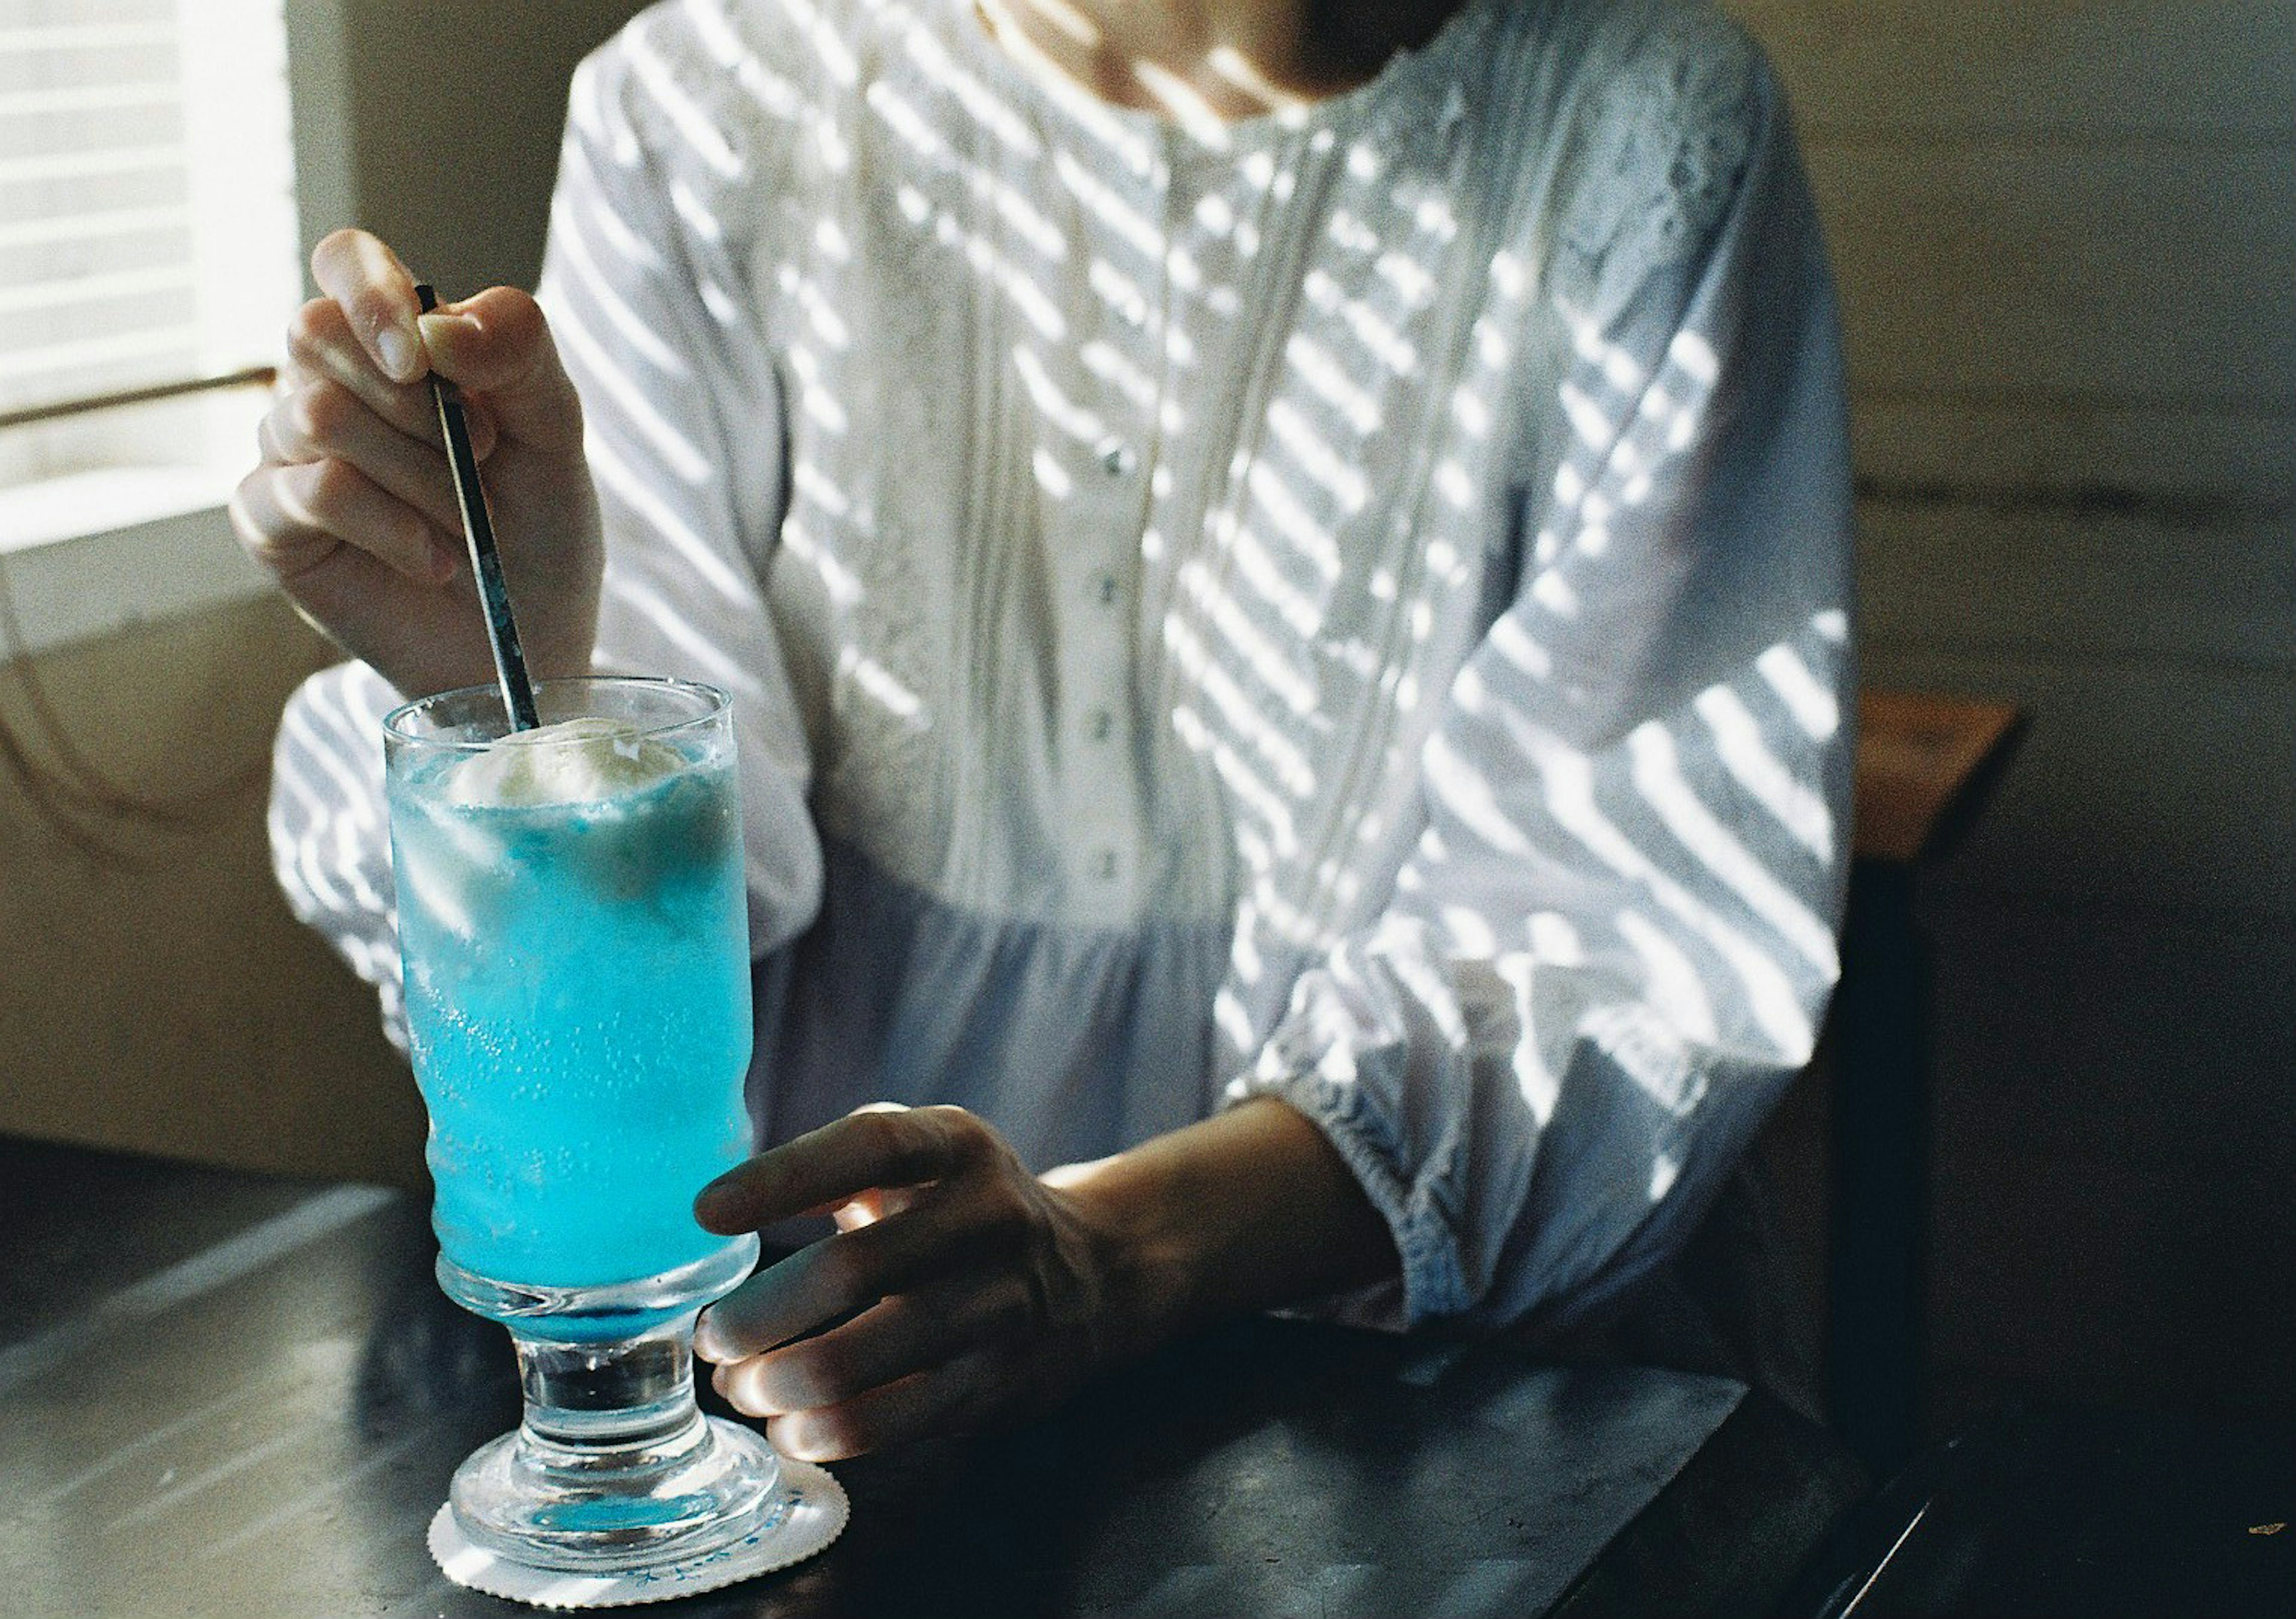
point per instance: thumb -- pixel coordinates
(498, 345)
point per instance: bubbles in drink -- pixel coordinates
(581, 1019)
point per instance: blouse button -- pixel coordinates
(1100, 724)
(1118, 459)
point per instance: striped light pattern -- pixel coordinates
(1349, 606)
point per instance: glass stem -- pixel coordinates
(609, 1399)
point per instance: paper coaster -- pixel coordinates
(808, 1513)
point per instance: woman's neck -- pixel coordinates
(1218, 59)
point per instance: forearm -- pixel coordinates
(1248, 1210)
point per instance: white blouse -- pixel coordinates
(1349, 605)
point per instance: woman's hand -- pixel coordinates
(959, 1289)
(353, 508)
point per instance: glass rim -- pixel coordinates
(394, 722)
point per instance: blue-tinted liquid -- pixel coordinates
(577, 998)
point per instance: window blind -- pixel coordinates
(147, 231)
(96, 280)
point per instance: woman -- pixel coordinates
(1282, 572)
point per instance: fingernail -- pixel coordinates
(722, 1184)
(399, 352)
(443, 320)
(716, 1200)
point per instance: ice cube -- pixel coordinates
(579, 761)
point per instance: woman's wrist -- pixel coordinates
(1248, 1210)
(1146, 1255)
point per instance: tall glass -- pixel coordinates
(574, 928)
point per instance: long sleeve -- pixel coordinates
(1614, 941)
(330, 840)
(648, 298)
(681, 423)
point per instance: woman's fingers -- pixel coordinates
(908, 1333)
(323, 420)
(950, 1289)
(292, 519)
(878, 1203)
(353, 508)
(839, 1161)
(961, 1227)
(497, 348)
(321, 345)
(376, 294)
(370, 334)
(950, 1398)
(943, 1399)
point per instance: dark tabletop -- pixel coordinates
(232, 1396)
(2040, 1513)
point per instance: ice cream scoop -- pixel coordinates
(576, 761)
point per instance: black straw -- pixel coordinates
(478, 530)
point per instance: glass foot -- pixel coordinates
(667, 1499)
(808, 1513)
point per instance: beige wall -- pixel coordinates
(169, 1004)
(436, 125)
(161, 999)
(2066, 233)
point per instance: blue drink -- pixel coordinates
(574, 927)
(578, 996)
